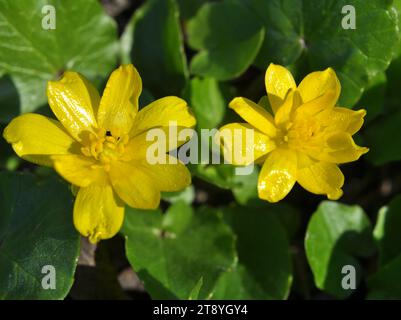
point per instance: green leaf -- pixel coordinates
(245, 187)
(310, 33)
(32, 55)
(289, 217)
(380, 136)
(221, 175)
(335, 236)
(393, 73)
(264, 268)
(35, 231)
(381, 133)
(188, 8)
(187, 195)
(153, 42)
(171, 252)
(9, 100)
(8, 159)
(194, 295)
(397, 6)
(229, 38)
(145, 98)
(178, 218)
(386, 283)
(373, 99)
(283, 21)
(387, 231)
(207, 100)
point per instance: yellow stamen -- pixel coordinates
(104, 148)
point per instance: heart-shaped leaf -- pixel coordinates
(386, 282)
(264, 268)
(228, 37)
(335, 236)
(172, 252)
(42, 38)
(37, 238)
(317, 34)
(153, 41)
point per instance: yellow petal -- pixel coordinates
(285, 113)
(318, 83)
(320, 177)
(236, 150)
(278, 175)
(98, 213)
(79, 170)
(74, 101)
(35, 137)
(255, 115)
(278, 81)
(119, 103)
(341, 119)
(166, 138)
(134, 186)
(169, 177)
(313, 107)
(338, 147)
(162, 113)
(341, 148)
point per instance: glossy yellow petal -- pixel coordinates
(278, 175)
(119, 103)
(320, 177)
(319, 83)
(254, 114)
(98, 212)
(74, 101)
(134, 186)
(313, 107)
(79, 170)
(278, 81)
(138, 146)
(341, 148)
(166, 138)
(162, 113)
(337, 147)
(341, 119)
(236, 149)
(169, 177)
(35, 137)
(285, 114)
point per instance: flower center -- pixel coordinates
(297, 134)
(105, 147)
(304, 132)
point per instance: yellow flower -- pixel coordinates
(99, 145)
(305, 139)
